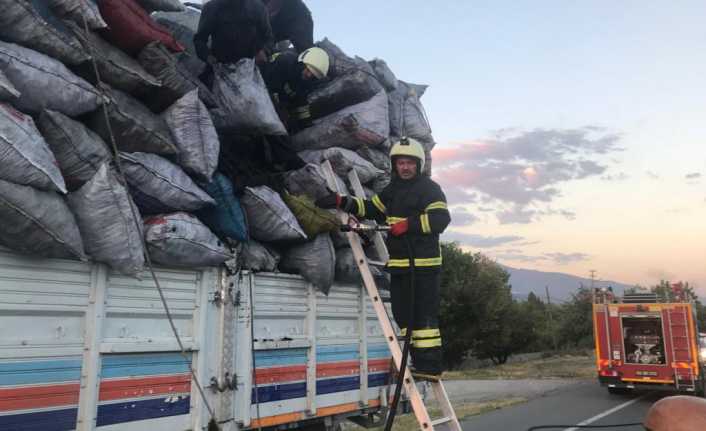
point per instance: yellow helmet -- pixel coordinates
(409, 147)
(317, 60)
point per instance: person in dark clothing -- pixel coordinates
(291, 20)
(251, 161)
(237, 29)
(415, 207)
(290, 77)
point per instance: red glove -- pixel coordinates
(399, 228)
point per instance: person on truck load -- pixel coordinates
(678, 413)
(237, 29)
(415, 208)
(290, 77)
(291, 20)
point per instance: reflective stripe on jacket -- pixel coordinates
(420, 201)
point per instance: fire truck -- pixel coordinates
(643, 342)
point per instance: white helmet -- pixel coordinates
(317, 61)
(408, 147)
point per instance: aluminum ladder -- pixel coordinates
(449, 420)
(678, 323)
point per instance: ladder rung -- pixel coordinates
(440, 421)
(376, 263)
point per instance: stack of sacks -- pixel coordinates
(165, 124)
(59, 189)
(357, 115)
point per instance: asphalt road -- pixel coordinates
(584, 403)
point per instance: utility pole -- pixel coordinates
(593, 278)
(551, 318)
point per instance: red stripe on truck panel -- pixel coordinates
(296, 373)
(280, 374)
(144, 387)
(37, 397)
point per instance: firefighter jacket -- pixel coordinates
(283, 77)
(237, 29)
(420, 201)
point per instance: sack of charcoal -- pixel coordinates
(181, 240)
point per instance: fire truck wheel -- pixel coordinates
(619, 391)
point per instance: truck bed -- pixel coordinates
(84, 348)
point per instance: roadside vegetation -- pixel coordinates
(480, 319)
(562, 366)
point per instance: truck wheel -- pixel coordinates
(618, 391)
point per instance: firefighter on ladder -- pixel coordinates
(414, 206)
(290, 77)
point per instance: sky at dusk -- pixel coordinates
(571, 135)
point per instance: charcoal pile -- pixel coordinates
(211, 172)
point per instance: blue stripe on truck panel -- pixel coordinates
(337, 353)
(378, 351)
(132, 411)
(330, 386)
(280, 357)
(266, 394)
(143, 364)
(378, 379)
(334, 353)
(40, 372)
(54, 420)
(289, 391)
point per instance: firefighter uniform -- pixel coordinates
(421, 204)
(420, 201)
(284, 77)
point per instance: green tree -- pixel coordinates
(576, 320)
(476, 308)
(665, 293)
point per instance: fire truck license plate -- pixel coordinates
(647, 373)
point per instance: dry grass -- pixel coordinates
(556, 367)
(464, 410)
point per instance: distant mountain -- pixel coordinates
(561, 285)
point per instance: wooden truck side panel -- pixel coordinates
(84, 348)
(315, 355)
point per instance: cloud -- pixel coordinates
(566, 258)
(524, 216)
(622, 176)
(462, 217)
(652, 175)
(479, 241)
(520, 173)
(519, 257)
(693, 178)
(516, 215)
(557, 258)
(526, 243)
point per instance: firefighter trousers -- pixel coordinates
(426, 338)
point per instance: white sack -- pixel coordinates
(45, 83)
(269, 218)
(159, 186)
(103, 211)
(38, 223)
(25, 157)
(180, 239)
